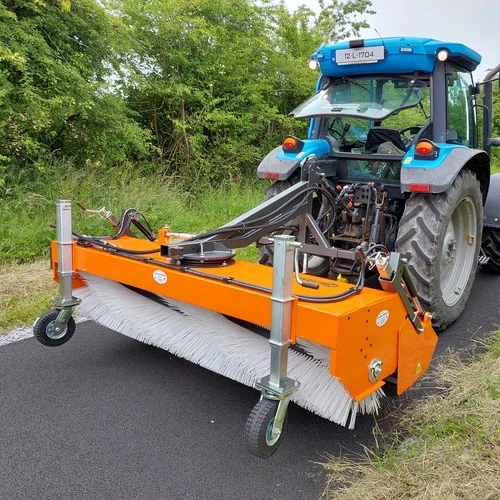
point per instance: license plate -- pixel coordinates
(360, 55)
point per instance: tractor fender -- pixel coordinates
(492, 205)
(278, 165)
(273, 167)
(439, 173)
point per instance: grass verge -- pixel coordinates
(25, 292)
(27, 212)
(451, 443)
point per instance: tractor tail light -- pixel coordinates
(420, 188)
(292, 144)
(271, 175)
(426, 150)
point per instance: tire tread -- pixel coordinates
(422, 225)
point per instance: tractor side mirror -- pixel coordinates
(494, 141)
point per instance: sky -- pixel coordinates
(475, 23)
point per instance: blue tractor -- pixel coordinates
(400, 165)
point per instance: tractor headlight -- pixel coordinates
(442, 55)
(313, 64)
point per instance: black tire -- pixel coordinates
(439, 234)
(43, 329)
(491, 248)
(258, 440)
(316, 266)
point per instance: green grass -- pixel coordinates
(448, 444)
(27, 212)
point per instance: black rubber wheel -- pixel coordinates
(43, 329)
(258, 438)
(440, 235)
(491, 248)
(316, 266)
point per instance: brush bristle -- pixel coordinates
(216, 343)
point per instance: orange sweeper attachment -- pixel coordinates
(332, 344)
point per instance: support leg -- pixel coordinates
(56, 327)
(265, 426)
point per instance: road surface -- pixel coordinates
(107, 417)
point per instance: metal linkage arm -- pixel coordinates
(249, 227)
(394, 277)
(264, 218)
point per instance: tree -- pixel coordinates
(209, 84)
(214, 81)
(56, 59)
(339, 19)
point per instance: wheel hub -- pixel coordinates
(458, 251)
(54, 332)
(272, 434)
(452, 247)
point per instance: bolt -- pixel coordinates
(375, 369)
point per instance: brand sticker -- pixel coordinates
(408, 160)
(382, 317)
(160, 277)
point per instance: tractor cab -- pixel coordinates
(377, 99)
(370, 115)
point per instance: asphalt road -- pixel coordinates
(106, 417)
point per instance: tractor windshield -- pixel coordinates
(371, 98)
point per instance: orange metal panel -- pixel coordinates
(415, 353)
(370, 333)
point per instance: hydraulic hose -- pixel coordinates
(112, 248)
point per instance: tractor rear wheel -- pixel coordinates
(440, 235)
(317, 266)
(491, 248)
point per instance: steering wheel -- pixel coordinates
(335, 133)
(413, 130)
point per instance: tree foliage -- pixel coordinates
(196, 87)
(55, 63)
(214, 81)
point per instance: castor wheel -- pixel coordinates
(260, 440)
(45, 329)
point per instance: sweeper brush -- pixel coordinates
(220, 345)
(332, 345)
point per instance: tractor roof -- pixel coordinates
(390, 55)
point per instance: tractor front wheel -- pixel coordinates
(440, 235)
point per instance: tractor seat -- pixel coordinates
(378, 135)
